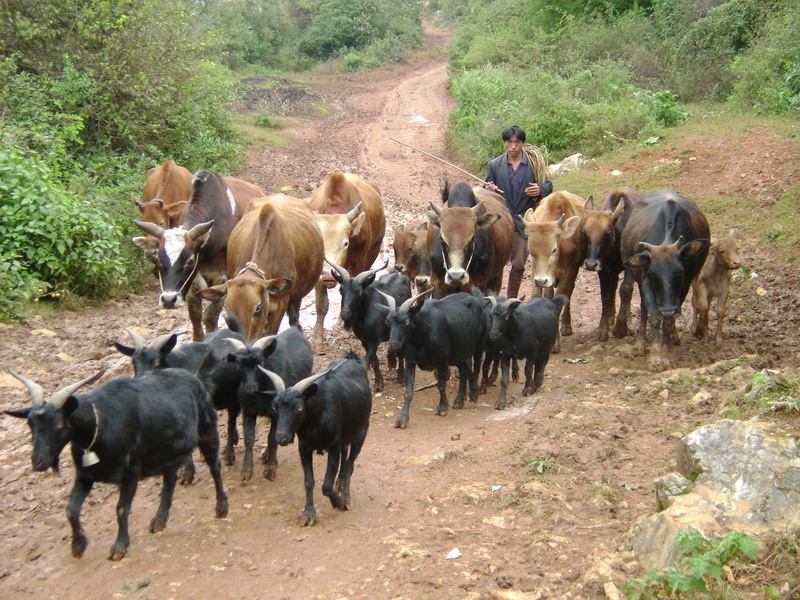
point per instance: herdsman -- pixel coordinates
(514, 174)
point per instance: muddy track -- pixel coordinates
(534, 497)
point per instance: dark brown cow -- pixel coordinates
(663, 248)
(274, 258)
(602, 234)
(471, 240)
(167, 189)
(349, 214)
(195, 252)
(714, 282)
(411, 255)
(557, 250)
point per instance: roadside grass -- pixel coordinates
(259, 136)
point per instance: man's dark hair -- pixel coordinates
(514, 131)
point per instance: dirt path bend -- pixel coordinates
(536, 499)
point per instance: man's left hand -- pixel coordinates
(533, 190)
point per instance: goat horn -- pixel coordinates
(405, 306)
(341, 270)
(362, 276)
(237, 344)
(34, 389)
(274, 378)
(159, 342)
(200, 229)
(351, 216)
(492, 299)
(137, 340)
(301, 385)
(389, 300)
(150, 228)
(262, 343)
(60, 397)
(511, 301)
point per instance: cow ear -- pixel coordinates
(589, 205)
(270, 348)
(278, 286)
(486, 220)
(415, 308)
(231, 357)
(215, 293)
(70, 406)
(136, 201)
(176, 208)
(570, 226)
(528, 217)
(21, 413)
(123, 349)
(638, 260)
(693, 248)
(310, 391)
(357, 224)
(150, 244)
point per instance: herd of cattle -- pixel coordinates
(226, 241)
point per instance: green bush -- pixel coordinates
(266, 120)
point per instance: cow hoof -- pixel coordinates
(79, 546)
(307, 520)
(620, 332)
(187, 476)
(566, 331)
(556, 349)
(500, 405)
(271, 472)
(230, 457)
(457, 405)
(602, 336)
(247, 474)
(400, 424)
(118, 552)
(529, 391)
(157, 525)
(442, 412)
(221, 509)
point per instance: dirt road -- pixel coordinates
(536, 499)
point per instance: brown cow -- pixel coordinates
(274, 258)
(602, 234)
(411, 254)
(167, 189)
(714, 282)
(557, 249)
(194, 254)
(470, 241)
(349, 214)
(663, 248)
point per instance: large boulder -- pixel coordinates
(747, 478)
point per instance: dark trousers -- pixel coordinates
(519, 255)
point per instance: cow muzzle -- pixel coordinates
(400, 268)
(456, 277)
(669, 312)
(543, 282)
(591, 264)
(171, 300)
(284, 438)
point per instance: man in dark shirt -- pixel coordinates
(513, 173)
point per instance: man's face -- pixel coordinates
(513, 147)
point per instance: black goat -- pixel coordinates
(363, 311)
(162, 353)
(329, 412)
(121, 432)
(434, 335)
(525, 331)
(491, 354)
(287, 354)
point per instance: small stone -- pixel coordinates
(44, 333)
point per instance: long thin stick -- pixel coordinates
(442, 160)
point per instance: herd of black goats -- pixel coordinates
(128, 429)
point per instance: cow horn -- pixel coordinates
(34, 389)
(389, 300)
(344, 273)
(492, 300)
(405, 306)
(159, 342)
(261, 343)
(560, 220)
(150, 228)
(478, 209)
(679, 242)
(362, 276)
(436, 209)
(301, 385)
(237, 344)
(137, 340)
(351, 216)
(200, 229)
(60, 397)
(276, 379)
(645, 246)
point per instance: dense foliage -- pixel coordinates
(589, 76)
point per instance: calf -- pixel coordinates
(329, 412)
(123, 431)
(714, 282)
(287, 354)
(410, 249)
(491, 352)
(363, 310)
(434, 335)
(525, 331)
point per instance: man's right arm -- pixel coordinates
(491, 177)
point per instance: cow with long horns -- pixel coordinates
(364, 310)
(194, 254)
(664, 247)
(328, 412)
(121, 432)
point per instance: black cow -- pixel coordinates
(195, 252)
(121, 432)
(664, 247)
(364, 310)
(329, 412)
(434, 335)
